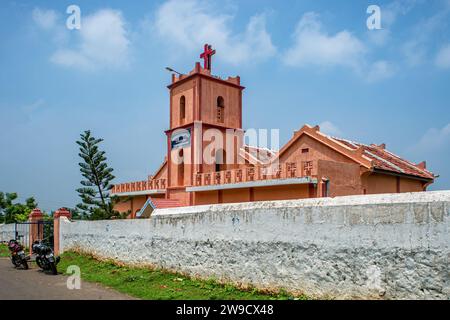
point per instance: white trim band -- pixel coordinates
(139, 193)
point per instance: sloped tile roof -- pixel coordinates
(385, 160)
(263, 155)
(160, 203)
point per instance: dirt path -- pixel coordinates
(35, 284)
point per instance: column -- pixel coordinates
(36, 228)
(62, 212)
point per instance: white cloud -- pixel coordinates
(380, 70)
(416, 50)
(329, 128)
(434, 140)
(45, 19)
(190, 24)
(443, 57)
(103, 43)
(434, 147)
(389, 15)
(379, 37)
(390, 12)
(313, 46)
(71, 58)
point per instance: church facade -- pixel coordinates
(207, 161)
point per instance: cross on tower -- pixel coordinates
(206, 56)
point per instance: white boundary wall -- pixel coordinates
(6, 232)
(393, 246)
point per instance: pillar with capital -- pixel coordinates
(36, 228)
(62, 212)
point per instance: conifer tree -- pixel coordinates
(95, 196)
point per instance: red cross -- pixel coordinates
(206, 56)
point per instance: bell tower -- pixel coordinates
(200, 103)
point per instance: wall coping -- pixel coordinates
(389, 198)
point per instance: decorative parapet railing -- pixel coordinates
(154, 184)
(282, 171)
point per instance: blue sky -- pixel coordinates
(301, 62)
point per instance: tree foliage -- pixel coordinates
(77, 214)
(15, 212)
(94, 193)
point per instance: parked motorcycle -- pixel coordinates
(45, 258)
(18, 256)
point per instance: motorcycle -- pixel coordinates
(18, 256)
(45, 258)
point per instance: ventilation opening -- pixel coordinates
(182, 108)
(220, 110)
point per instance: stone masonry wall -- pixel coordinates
(393, 246)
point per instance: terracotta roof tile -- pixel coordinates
(261, 154)
(165, 203)
(385, 160)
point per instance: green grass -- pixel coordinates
(4, 252)
(146, 283)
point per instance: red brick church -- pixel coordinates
(207, 161)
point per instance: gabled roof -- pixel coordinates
(161, 203)
(156, 203)
(373, 157)
(257, 155)
(388, 161)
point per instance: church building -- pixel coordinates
(207, 161)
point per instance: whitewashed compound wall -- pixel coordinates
(6, 232)
(383, 246)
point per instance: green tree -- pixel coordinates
(5, 202)
(77, 214)
(31, 203)
(15, 212)
(95, 196)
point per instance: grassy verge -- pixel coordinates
(4, 252)
(146, 283)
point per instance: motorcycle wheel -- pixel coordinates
(53, 268)
(38, 262)
(25, 264)
(14, 262)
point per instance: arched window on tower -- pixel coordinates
(182, 108)
(220, 109)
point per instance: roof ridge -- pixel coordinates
(387, 152)
(349, 141)
(263, 148)
(408, 162)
